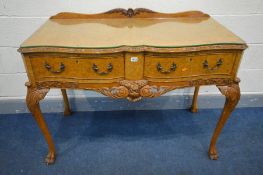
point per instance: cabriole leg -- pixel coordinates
(34, 95)
(67, 110)
(232, 93)
(194, 102)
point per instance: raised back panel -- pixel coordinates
(130, 13)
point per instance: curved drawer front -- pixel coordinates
(165, 66)
(78, 68)
(213, 64)
(172, 67)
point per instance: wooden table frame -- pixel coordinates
(132, 89)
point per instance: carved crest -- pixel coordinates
(130, 12)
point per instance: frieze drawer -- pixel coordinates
(78, 68)
(213, 64)
(171, 66)
(166, 66)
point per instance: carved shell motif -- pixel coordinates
(135, 90)
(127, 89)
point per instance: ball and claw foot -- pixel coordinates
(50, 158)
(213, 154)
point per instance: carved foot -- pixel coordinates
(213, 154)
(50, 158)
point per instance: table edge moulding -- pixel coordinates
(132, 71)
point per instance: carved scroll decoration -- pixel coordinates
(127, 89)
(114, 92)
(134, 90)
(155, 91)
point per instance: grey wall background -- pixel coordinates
(20, 18)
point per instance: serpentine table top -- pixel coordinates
(94, 32)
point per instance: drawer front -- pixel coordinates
(212, 64)
(191, 65)
(167, 66)
(85, 67)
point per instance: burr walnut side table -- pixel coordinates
(131, 54)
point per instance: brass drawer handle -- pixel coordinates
(160, 68)
(49, 68)
(97, 70)
(218, 64)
